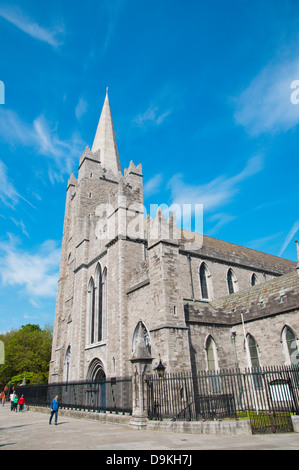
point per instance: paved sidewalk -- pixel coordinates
(30, 430)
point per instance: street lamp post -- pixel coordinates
(160, 369)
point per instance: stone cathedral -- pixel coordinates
(201, 303)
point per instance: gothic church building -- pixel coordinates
(197, 299)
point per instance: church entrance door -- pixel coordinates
(97, 377)
(100, 379)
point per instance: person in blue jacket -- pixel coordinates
(54, 409)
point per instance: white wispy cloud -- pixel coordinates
(153, 185)
(264, 242)
(151, 116)
(44, 139)
(265, 105)
(81, 108)
(110, 12)
(34, 273)
(219, 220)
(290, 237)
(15, 16)
(20, 223)
(8, 193)
(166, 101)
(217, 192)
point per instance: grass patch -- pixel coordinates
(270, 422)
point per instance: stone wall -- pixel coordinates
(155, 279)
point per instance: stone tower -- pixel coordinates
(90, 336)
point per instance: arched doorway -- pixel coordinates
(96, 371)
(97, 390)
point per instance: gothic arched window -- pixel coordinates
(232, 281)
(99, 304)
(204, 283)
(104, 304)
(254, 360)
(214, 379)
(252, 346)
(91, 308)
(254, 279)
(211, 354)
(290, 345)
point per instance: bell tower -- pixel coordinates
(100, 245)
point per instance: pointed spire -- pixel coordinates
(105, 140)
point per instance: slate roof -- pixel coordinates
(234, 254)
(270, 298)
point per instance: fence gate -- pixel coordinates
(275, 402)
(270, 422)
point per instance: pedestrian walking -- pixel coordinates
(3, 396)
(16, 399)
(21, 403)
(54, 409)
(12, 403)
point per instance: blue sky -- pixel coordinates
(200, 93)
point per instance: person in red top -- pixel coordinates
(2, 396)
(21, 403)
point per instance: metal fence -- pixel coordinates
(267, 396)
(109, 395)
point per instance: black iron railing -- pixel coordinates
(270, 392)
(267, 396)
(109, 395)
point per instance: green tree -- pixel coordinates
(27, 350)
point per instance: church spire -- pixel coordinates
(105, 140)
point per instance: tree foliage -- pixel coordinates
(27, 351)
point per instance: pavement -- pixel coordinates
(30, 430)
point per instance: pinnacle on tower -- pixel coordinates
(105, 140)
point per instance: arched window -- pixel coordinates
(232, 282)
(104, 304)
(254, 360)
(99, 304)
(252, 346)
(211, 354)
(290, 345)
(67, 361)
(91, 308)
(254, 279)
(214, 379)
(204, 281)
